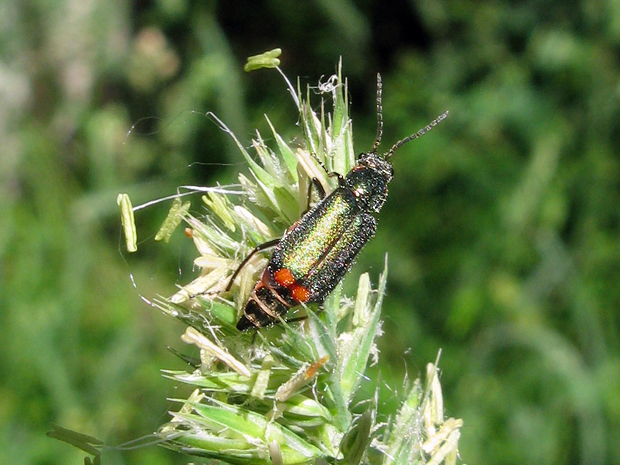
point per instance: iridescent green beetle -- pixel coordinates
(316, 252)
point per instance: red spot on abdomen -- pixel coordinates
(284, 277)
(300, 293)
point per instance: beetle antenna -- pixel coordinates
(379, 115)
(421, 132)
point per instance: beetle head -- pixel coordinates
(369, 180)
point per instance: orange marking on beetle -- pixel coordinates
(284, 277)
(300, 293)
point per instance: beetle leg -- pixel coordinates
(317, 159)
(319, 188)
(331, 174)
(320, 191)
(257, 249)
(334, 174)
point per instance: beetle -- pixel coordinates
(316, 252)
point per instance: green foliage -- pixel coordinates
(502, 228)
(287, 394)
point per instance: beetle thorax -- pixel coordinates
(369, 180)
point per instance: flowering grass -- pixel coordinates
(287, 394)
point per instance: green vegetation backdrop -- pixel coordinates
(502, 226)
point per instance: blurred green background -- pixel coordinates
(502, 226)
